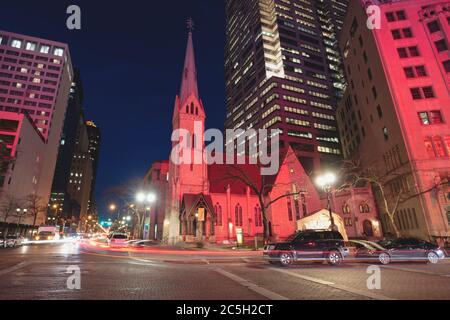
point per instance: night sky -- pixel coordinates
(131, 56)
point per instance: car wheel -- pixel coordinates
(334, 258)
(286, 259)
(432, 257)
(384, 258)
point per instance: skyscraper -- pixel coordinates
(282, 70)
(60, 198)
(35, 79)
(94, 137)
(394, 116)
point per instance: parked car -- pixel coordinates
(369, 251)
(314, 246)
(412, 249)
(14, 241)
(2, 243)
(117, 239)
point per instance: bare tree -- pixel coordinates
(8, 206)
(391, 200)
(33, 204)
(261, 186)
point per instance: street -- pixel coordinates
(41, 272)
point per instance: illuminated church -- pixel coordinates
(197, 202)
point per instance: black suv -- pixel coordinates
(308, 246)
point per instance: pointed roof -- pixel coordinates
(189, 81)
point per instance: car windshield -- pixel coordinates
(292, 237)
(45, 233)
(11, 237)
(120, 236)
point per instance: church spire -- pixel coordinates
(189, 81)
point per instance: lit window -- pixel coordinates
(16, 44)
(44, 49)
(58, 52)
(31, 46)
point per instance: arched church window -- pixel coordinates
(289, 206)
(364, 207)
(196, 111)
(345, 208)
(218, 210)
(187, 109)
(238, 215)
(258, 216)
(192, 108)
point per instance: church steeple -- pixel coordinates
(189, 82)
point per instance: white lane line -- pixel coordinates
(316, 280)
(13, 268)
(416, 271)
(363, 293)
(250, 285)
(408, 270)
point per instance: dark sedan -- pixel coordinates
(412, 249)
(401, 249)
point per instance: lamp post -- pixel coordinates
(112, 208)
(144, 199)
(326, 182)
(20, 214)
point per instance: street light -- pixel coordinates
(145, 199)
(112, 208)
(326, 182)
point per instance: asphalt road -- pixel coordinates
(42, 272)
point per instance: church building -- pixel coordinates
(218, 203)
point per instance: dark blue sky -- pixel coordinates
(130, 54)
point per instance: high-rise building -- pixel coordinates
(283, 71)
(94, 136)
(394, 116)
(35, 79)
(81, 171)
(61, 202)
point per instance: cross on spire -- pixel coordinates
(190, 24)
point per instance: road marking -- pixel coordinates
(13, 268)
(250, 285)
(416, 271)
(363, 293)
(316, 280)
(407, 270)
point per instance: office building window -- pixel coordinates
(441, 45)
(31, 46)
(430, 117)
(446, 66)
(58, 52)
(44, 49)
(402, 33)
(422, 93)
(433, 26)
(439, 147)
(16, 43)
